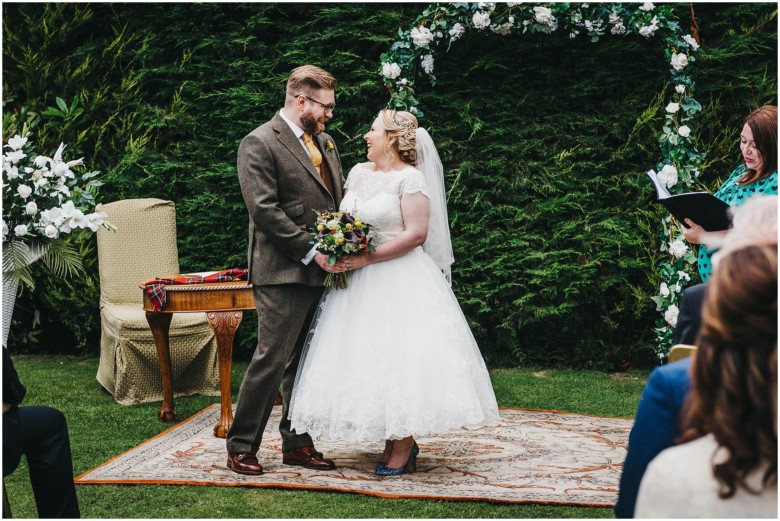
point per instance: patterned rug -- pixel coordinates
(530, 457)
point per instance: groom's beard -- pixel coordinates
(310, 124)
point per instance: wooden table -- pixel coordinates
(223, 303)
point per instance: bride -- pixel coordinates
(392, 357)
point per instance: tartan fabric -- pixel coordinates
(156, 288)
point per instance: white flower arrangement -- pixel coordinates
(44, 201)
(414, 52)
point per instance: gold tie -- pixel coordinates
(316, 156)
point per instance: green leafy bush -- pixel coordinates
(544, 141)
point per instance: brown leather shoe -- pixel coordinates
(307, 457)
(244, 463)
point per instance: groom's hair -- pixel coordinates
(307, 78)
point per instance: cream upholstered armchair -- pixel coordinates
(144, 247)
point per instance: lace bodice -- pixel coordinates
(375, 197)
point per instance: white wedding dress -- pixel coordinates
(391, 355)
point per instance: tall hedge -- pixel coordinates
(544, 141)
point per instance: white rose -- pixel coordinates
(668, 175)
(41, 161)
(543, 15)
(24, 191)
(31, 208)
(679, 61)
(664, 289)
(683, 276)
(457, 31)
(672, 108)
(51, 231)
(20, 230)
(422, 36)
(403, 81)
(680, 89)
(511, 19)
(481, 20)
(678, 248)
(690, 40)
(671, 315)
(487, 6)
(391, 70)
(647, 7)
(5, 229)
(513, 4)
(427, 63)
(649, 30)
(684, 131)
(17, 142)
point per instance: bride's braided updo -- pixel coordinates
(402, 125)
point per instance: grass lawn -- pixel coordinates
(100, 429)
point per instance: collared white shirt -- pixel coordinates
(298, 131)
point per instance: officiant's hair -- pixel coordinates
(307, 79)
(403, 126)
(732, 377)
(763, 123)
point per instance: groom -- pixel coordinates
(287, 168)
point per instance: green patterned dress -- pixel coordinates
(735, 195)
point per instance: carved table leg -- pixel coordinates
(224, 324)
(160, 323)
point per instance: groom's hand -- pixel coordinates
(322, 261)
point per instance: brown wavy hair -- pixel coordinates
(402, 125)
(308, 79)
(733, 377)
(763, 123)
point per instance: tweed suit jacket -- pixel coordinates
(281, 190)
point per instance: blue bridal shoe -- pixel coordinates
(411, 464)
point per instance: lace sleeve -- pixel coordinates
(412, 182)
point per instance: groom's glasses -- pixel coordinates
(328, 108)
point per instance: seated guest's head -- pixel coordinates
(734, 373)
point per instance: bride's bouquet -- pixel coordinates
(337, 234)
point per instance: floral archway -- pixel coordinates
(440, 25)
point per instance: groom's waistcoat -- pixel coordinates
(281, 189)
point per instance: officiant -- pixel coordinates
(755, 175)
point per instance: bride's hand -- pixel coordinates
(354, 262)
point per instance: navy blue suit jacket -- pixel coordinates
(656, 426)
